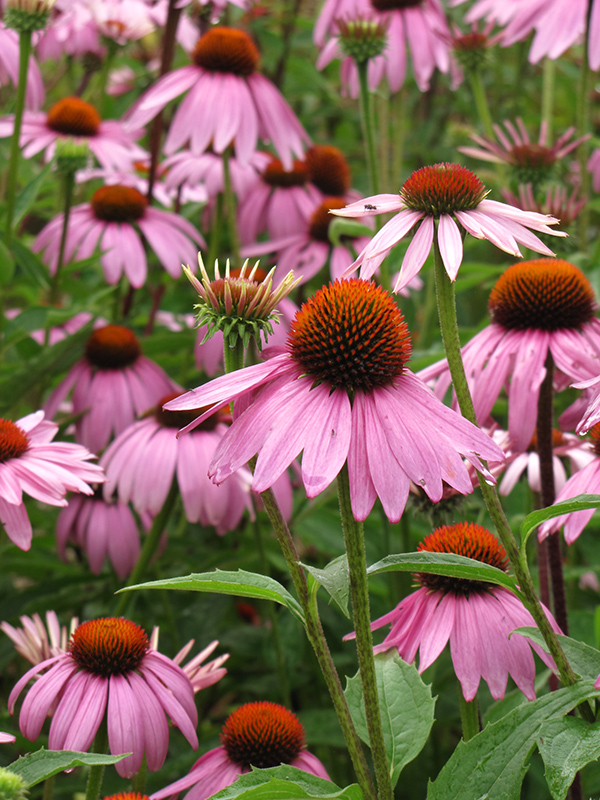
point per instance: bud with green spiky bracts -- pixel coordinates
(71, 156)
(12, 786)
(27, 16)
(362, 38)
(242, 304)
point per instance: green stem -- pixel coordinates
(69, 183)
(357, 567)
(15, 150)
(549, 74)
(481, 103)
(48, 788)
(230, 208)
(214, 242)
(148, 549)
(469, 716)
(316, 637)
(138, 782)
(399, 119)
(583, 127)
(233, 356)
(96, 773)
(383, 127)
(368, 127)
(518, 560)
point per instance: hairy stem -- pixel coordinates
(15, 150)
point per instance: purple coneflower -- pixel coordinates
(111, 385)
(343, 375)
(37, 642)
(259, 735)
(537, 307)
(477, 617)
(110, 221)
(109, 671)
(142, 462)
(454, 198)
(224, 76)
(31, 462)
(72, 118)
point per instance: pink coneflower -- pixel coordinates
(454, 198)
(557, 202)
(71, 32)
(109, 671)
(111, 221)
(224, 76)
(112, 385)
(343, 374)
(258, 735)
(537, 307)
(121, 21)
(200, 674)
(31, 462)
(307, 251)
(9, 68)
(139, 180)
(143, 461)
(419, 26)
(477, 617)
(102, 530)
(563, 444)
(531, 162)
(73, 118)
(584, 481)
(37, 642)
(189, 171)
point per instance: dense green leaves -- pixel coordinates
(406, 709)
(567, 745)
(584, 660)
(43, 764)
(280, 783)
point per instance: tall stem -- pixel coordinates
(357, 566)
(15, 150)
(481, 103)
(230, 207)
(518, 560)
(548, 81)
(149, 548)
(69, 183)
(366, 115)
(545, 454)
(96, 773)
(469, 716)
(316, 637)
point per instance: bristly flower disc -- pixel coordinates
(351, 335)
(14, 442)
(227, 50)
(443, 189)
(73, 117)
(112, 347)
(118, 204)
(109, 646)
(262, 735)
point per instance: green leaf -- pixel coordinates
(41, 765)
(406, 708)
(492, 764)
(444, 564)
(240, 584)
(31, 264)
(279, 783)
(579, 503)
(584, 659)
(335, 579)
(343, 226)
(567, 745)
(27, 197)
(7, 264)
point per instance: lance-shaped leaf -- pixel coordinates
(579, 503)
(43, 764)
(335, 579)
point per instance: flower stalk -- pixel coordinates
(96, 774)
(230, 206)
(469, 716)
(357, 566)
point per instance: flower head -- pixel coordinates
(35, 641)
(31, 462)
(477, 617)
(111, 385)
(109, 670)
(446, 197)
(239, 304)
(261, 735)
(328, 169)
(343, 373)
(536, 307)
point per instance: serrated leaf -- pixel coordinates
(492, 764)
(335, 579)
(579, 503)
(406, 707)
(584, 659)
(567, 745)
(279, 783)
(342, 226)
(43, 764)
(444, 564)
(26, 198)
(240, 583)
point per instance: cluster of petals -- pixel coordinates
(504, 226)
(254, 109)
(173, 239)
(37, 642)
(390, 436)
(201, 674)
(135, 705)
(46, 471)
(9, 69)
(479, 627)
(422, 28)
(143, 461)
